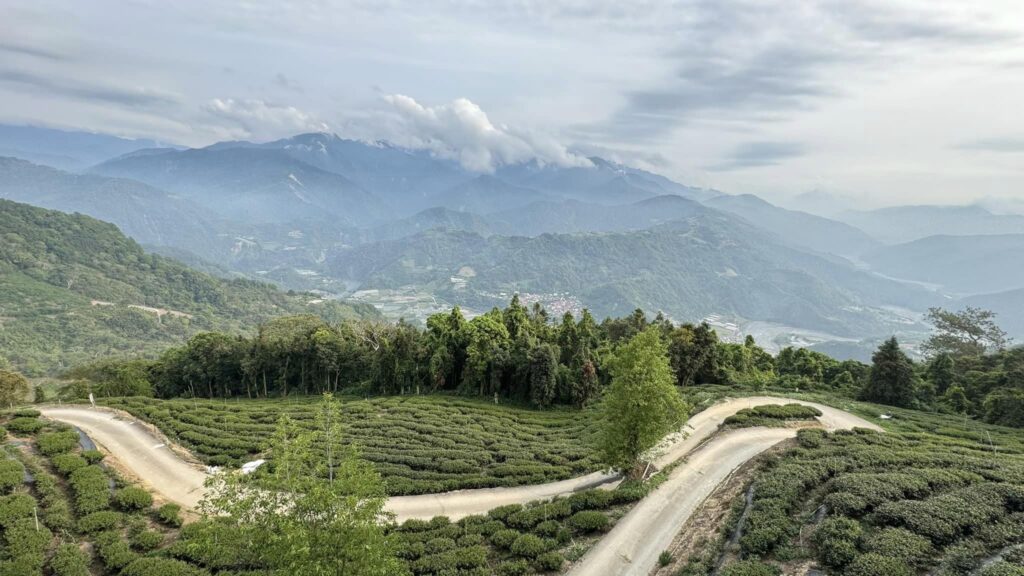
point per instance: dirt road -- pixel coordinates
(633, 546)
(147, 456)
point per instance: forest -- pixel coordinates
(521, 354)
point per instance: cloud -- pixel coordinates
(756, 154)
(282, 81)
(32, 51)
(257, 119)
(87, 90)
(1011, 144)
(750, 62)
(461, 131)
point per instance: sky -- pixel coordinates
(861, 102)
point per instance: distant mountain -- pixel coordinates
(485, 194)
(907, 223)
(251, 185)
(429, 219)
(688, 268)
(574, 216)
(148, 215)
(68, 150)
(1009, 309)
(795, 227)
(963, 264)
(73, 288)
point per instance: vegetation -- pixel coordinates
(771, 415)
(74, 289)
(641, 405)
(419, 444)
(14, 388)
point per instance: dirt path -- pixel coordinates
(633, 546)
(144, 453)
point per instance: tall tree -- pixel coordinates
(642, 404)
(543, 372)
(320, 511)
(13, 388)
(892, 376)
(969, 332)
(942, 373)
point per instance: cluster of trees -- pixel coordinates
(516, 352)
(969, 370)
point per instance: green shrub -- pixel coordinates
(503, 512)
(91, 489)
(836, 540)
(590, 500)
(69, 560)
(53, 443)
(872, 564)
(133, 498)
(11, 475)
(25, 425)
(170, 515)
(99, 521)
(588, 521)
(15, 507)
(93, 456)
(902, 545)
(1002, 569)
(665, 558)
(161, 567)
(749, 568)
(113, 551)
(513, 568)
(27, 413)
(504, 538)
(25, 541)
(529, 546)
(146, 540)
(68, 463)
(550, 562)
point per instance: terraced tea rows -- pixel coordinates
(419, 444)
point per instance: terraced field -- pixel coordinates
(419, 444)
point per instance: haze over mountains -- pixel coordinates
(393, 226)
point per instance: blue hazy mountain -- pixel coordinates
(66, 149)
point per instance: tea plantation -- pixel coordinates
(934, 494)
(419, 444)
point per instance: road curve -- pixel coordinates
(633, 545)
(147, 455)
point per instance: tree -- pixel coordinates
(970, 332)
(543, 374)
(319, 512)
(13, 388)
(641, 405)
(694, 354)
(892, 376)
(942, 372)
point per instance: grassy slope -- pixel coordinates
(52, 265)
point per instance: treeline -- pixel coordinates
(515, 353)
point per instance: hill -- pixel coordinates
(908, 223)
(963, 264)
(797, 228)
(65, 149)
(147, 214)
(73, 288)
(688, 269)
(1007, 306)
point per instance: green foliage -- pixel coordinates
(642, 404)
(419, 444)
(331, 505)
(771, 415)
(25, 425)
(836, 540)
(750, 568)
(53, 266)
(68, 463)
(529, 546)
(10, 475)
(113, 551)
(53, 443)
(99, 521)
(14, 388)
(588, 521)
(902, 545)
(872, 564)
(93, 456)
(892, 379)
(169, 514)
(970, 332)
(665, 558)
(132, 498)
(69, 560)
(91, 489)
(161, 567)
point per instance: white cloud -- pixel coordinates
(260, 120)
(461, 131)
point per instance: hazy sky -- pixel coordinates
(883, 101)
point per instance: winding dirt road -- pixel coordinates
(148, 456)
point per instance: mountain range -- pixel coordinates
(319, 211)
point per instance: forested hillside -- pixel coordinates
(73, 288)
